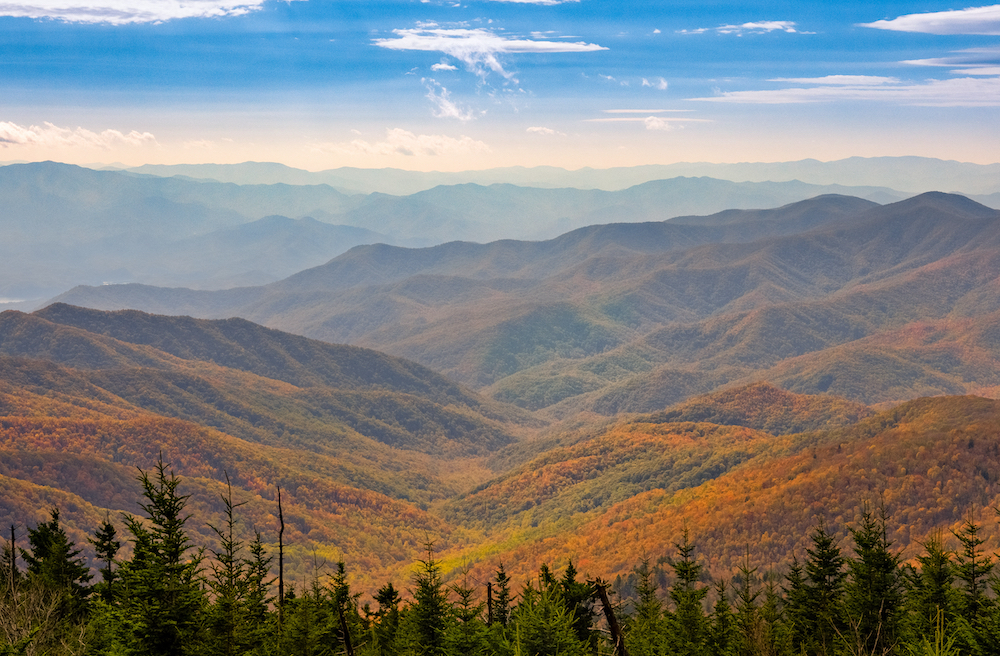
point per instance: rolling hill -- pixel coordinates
(635, 317)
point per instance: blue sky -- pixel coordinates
(458, 85)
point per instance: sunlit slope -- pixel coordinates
(636, 317)
(930, 461)
(362, 444)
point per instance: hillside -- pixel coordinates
(599, 503)
(635, 317)
(360, 443)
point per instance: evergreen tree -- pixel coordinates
(689, 626)
(542, 624)
(428, 616)
(797, 614)
(468, 636)
(749, 627)
(106, 546)
(973, 569)
(874, 591)
(931, 598)
(162, 602)
(386, 624)
(579, 600)
(723, 636)
(54, 561)
(644, 632)
(501, 597)
(823, 593)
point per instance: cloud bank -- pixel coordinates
(477, 48)
(402, 142)
(53, 136)
(957, 92)
(123, 12)
(756, 27)
(974, 20)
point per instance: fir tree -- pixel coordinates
(54, 561)
(689, 627)
(386, 624)
(501, 597)
(823, 593)
(429, 615)
(162, 601)
(106, 546)
(874, 591)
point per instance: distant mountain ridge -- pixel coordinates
(67, 225)
(635, 317)
(908, 174)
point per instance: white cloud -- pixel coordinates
(648, 120)
(443, 66)
(546, 131)
(476, 48)
(956, 92)
(756, 27)
(974, 20)
(658, 83)
(403, 142)
(444, 107)
(656, 31)
(659, 123)
(643, 111)
(974, 61)
(537, 2)
(122, 12)
(840, 80)
(49, 136)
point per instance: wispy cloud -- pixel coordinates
(123, 12)
(444, 106)
(443, 66)
(657, 83)
(957, 92)
(546, 131)
(652, 122)
(403, 142)
(974, 61)
(974, 20)
(537, 2)
(840, 80)
(49, 135)
(479, 48)
(755, 27)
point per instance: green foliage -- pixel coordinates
(161, 595)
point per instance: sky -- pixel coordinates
(452, 85)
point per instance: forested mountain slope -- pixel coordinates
(634, 317)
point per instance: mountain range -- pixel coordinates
(376, 457)
(878, 303)
(65, 225)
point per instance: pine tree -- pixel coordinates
(723, 636)
(579, 600)
(428, 617)
(386, 624)
(973, 568)
(823, 592)
(874, 591)
(162, 601)
(54, 561)
(468, 636)
(106, 546)
(689, 627)
(541, 624)
(932, 602)
(645, 629)
(501, 597)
